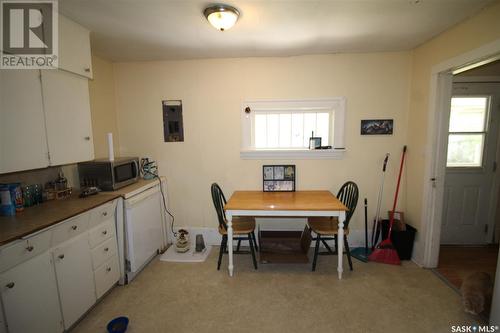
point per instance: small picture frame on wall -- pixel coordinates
(377, 127)
(278, 178)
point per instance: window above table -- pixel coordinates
(274, 129)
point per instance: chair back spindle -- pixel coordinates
(219, 201)
(348, 195)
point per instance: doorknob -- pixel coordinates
(433, 180)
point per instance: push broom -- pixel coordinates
(385, 252)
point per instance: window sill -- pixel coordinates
(302, 154)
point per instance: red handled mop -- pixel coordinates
(385, 251)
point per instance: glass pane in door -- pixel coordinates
(465, 150)
(468, 114)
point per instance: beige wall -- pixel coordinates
(476, 31)
(102, 106)
(375, 85)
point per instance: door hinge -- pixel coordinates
(48, 156)
(485, 228)
(494, 166)
(127, 265)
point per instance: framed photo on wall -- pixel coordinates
(278, 178)
(377, 126)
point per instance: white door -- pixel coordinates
(75, 278)
(67, 114)
(495, 306)
(29, 296)
(23, 144)
(468, 210)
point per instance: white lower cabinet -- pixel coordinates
(75, 278)
(106, 276)
(50, 279)
(3, 329)
(29, 296)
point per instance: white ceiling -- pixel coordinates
(127, 30)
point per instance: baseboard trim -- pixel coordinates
(211, 236)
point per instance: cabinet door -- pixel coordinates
(67, 115)
(74, 48)
(3, 329)
(75, 278)
(29, 296)
(23, 144)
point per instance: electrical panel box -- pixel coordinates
(173, 127)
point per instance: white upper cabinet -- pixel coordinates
(67, 117)
(74, 48)
(23, 143)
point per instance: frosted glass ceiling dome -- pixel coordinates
(222, 17)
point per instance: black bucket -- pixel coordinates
(402, 240)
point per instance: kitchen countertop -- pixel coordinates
(39, 217)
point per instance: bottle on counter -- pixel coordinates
(27, 196)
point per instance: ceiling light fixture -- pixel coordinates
(222, 17)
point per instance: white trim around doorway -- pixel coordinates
(439, 100)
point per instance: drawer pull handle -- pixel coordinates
(106, 249)
(104, 232)
(74, 227)
(87, 138)
(61, 256)
(108, 269)
(105, 214)
(10, 285)
(87, 70)
(30, 248)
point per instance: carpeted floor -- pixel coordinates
(180, 297)
(457, 262)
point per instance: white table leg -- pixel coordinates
(229, 219)
(340, 244)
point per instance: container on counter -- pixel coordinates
(61, 182)
(11, 199)
(17, 194)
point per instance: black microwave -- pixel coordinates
(109, 175)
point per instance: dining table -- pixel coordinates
(296, 204)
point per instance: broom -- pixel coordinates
(385, 252)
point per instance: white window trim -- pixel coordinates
(248, 151)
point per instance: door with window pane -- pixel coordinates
(468, 208)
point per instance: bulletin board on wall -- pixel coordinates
(278, 178)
